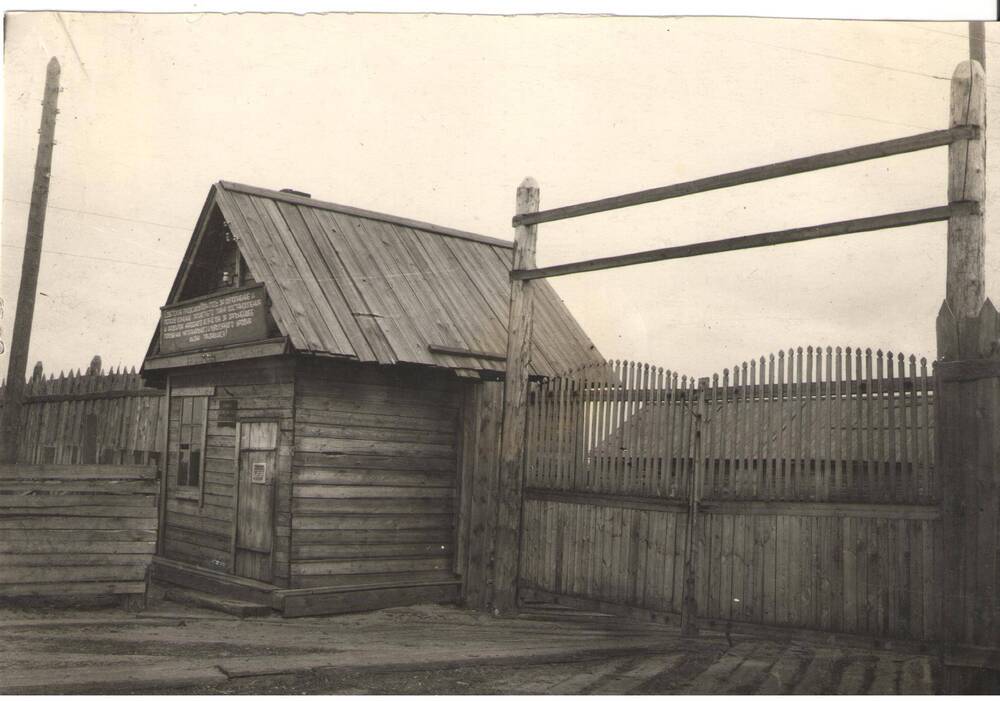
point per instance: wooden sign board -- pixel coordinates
(258, 473)
(222, 319)
(227, 413)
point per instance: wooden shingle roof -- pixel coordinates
(353, 283)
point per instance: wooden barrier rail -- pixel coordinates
(76, 530)
(740, 243)
(856, 154)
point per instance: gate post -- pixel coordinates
(967, 400)
(515, 410)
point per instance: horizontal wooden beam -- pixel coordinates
(467, 353)
(745, 507)
(969, 369)
(87, 396)
(855, 154)
(762, 392)
(738, 243)
(243, 351)
(640, 503)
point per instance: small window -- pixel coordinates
(192, 436)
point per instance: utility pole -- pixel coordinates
(21, 338)
(977, 43)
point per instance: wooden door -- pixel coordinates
(253, 538)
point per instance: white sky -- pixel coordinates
(440, 117)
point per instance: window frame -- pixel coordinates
(192, 426)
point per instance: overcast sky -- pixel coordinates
(440, 117)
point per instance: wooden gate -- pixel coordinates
(806, 480)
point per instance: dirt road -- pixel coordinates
(420, 650)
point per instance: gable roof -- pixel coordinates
(353, 283)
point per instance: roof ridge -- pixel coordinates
(364, 213)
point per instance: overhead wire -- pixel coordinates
(109, 260)
(106, 216)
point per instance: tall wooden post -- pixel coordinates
(515, 410)
(967, 401)
(977, 43)
(21, 337)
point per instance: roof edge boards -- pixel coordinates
(365, 213)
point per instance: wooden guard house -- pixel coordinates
(320, 363)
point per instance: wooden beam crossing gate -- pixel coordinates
(841, 491)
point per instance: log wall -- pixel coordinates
(482, 405)
(199, 523)
(374, 475)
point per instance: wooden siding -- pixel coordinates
(359, 284)
(482, 404)
(373, 478)
(199, 527)
(76, 530)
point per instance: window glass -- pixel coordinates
(191, 436)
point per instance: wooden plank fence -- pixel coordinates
(90, 417)
(816, 492)
(76, 530)
(809, 424)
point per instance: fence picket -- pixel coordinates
(753, 429)
(783, 431)
(929, 466)
(739, 383)
(841, 405)
(891, 453)
(772, 432)
(906, 480)
(914, 438)
(880, 406)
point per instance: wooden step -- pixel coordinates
(219, 583)
(191, 597)
(318, 601)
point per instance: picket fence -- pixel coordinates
(90, 417)
(811, 424)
